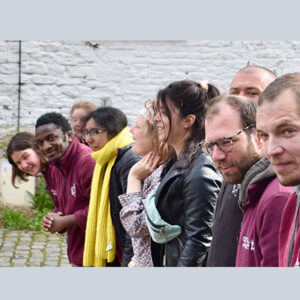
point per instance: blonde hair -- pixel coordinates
(87, 106)
(160, 148)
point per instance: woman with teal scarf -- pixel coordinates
(106, 241)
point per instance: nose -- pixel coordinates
(23, 165)
(131, 129)
(157, 117)
(217, 154)
(45, 146)
(88, 139)
(272, 147)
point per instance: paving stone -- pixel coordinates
(19, 256)
(5, 259)
(19, 261)
(50, 264)
(32, 244)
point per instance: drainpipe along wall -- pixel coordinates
(19, 92)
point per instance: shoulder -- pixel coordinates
(125, 157)
(275, 196)
(203, 166)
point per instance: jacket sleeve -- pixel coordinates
(132, 214)
(268, 228)
(200, 191)
(85, 175)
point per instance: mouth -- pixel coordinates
(226, 169)
(28, 169)
(50, 153)
(281, 166)
(94, 148)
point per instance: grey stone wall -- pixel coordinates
(56, 74)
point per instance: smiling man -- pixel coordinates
(278, 122)
(68, 177)
(237, 151)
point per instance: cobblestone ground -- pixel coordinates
(20, 248)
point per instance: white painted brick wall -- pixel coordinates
(120, 73)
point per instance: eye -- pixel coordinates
(51, 138)
(264, 137)
(288, 132)
(253, 94)
(225, 142)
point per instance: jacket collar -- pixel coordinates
(260, 171)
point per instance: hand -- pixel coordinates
(47, 221)
(58, 223)
(143, 168)
(131, 265)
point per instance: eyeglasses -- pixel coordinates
(225, 144)
(93, 132)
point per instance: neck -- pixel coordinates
(178, 149)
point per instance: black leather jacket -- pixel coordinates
(117, 186)
(187, 197)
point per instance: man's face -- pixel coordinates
(250, 84)
(52, 142)
(278, 123)
(234, 164)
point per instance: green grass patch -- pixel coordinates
(16, 218)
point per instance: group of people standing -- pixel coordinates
(197, 180)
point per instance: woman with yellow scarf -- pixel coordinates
(106, 241)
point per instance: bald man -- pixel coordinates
(249, 82)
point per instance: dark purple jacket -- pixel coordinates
(258, 239)
(69, 181)
(287, 239)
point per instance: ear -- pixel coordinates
(258, 140)
(189, 121)
(69, 136)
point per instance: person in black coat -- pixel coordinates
(190, 182)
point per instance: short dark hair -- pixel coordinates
(289, 81)
(20, 141)
(245, 106)
(53, 117)
(110, 118)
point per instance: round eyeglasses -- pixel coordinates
(225, 144)
(93, 132)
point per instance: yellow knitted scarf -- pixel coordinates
(100, 241)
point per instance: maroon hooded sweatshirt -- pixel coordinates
(264, 200)
(289, 235)
(69, 182)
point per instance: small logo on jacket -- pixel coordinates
(248, 244)
(73, 190)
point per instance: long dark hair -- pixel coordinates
(189, 97)
(21, 141)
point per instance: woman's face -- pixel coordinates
(28, 161)
(177, 132)
(143, 140)
(96, 138)
(77, 121)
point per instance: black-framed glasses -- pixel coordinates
(225, 144)
(93, 132)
